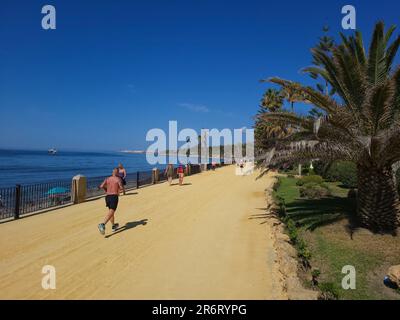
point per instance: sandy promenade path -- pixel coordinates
(198, 241)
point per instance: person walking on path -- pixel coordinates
(169, 172)
(112, 186)
(122, 175)
(241, 165)
(181, 174)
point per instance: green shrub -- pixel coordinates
(303, 251)
(316, 273)
(313, 190)
(308, 179)
(292, 230)
(352, 194)
(319, 167)
(344, 172)
(276, 185)
(287, 168)
(329, 291)
(282, 206)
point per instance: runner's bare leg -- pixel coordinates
(109, 216)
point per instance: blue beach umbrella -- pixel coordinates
(57, 191)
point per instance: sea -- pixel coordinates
(28, 167)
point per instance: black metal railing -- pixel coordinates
(92, 186)
(41, 196)
(7, 202)
(24, 199)
(131, 182)
(195, 169)
(145, 178)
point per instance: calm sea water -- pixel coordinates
(26, 167)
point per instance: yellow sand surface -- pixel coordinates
(202, 240)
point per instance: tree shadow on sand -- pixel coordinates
(127, 226)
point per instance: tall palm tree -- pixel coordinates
(362, 122)
(267, 133)
(325, 44)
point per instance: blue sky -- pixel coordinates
(112, 70)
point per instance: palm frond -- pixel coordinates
(376, 56)
(391, 53)
(288, 119)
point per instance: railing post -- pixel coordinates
(137, 180)
(17, 201)
(155, 176)
(78, 189)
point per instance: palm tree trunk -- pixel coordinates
(292, 105)
(378, 204)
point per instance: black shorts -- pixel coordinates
(112, 201)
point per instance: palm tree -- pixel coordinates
(267, 133)
(271, 101)
(362, 122)
(292, 93)
(326, 44)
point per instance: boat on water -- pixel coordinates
(52, 151)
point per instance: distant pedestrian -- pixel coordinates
(122, 175)
(169, 172)
(241, 165)
(112, 186)
(181, 174)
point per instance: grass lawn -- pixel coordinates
(326, 226)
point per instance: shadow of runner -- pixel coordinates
(129, 194)
(127, 226)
